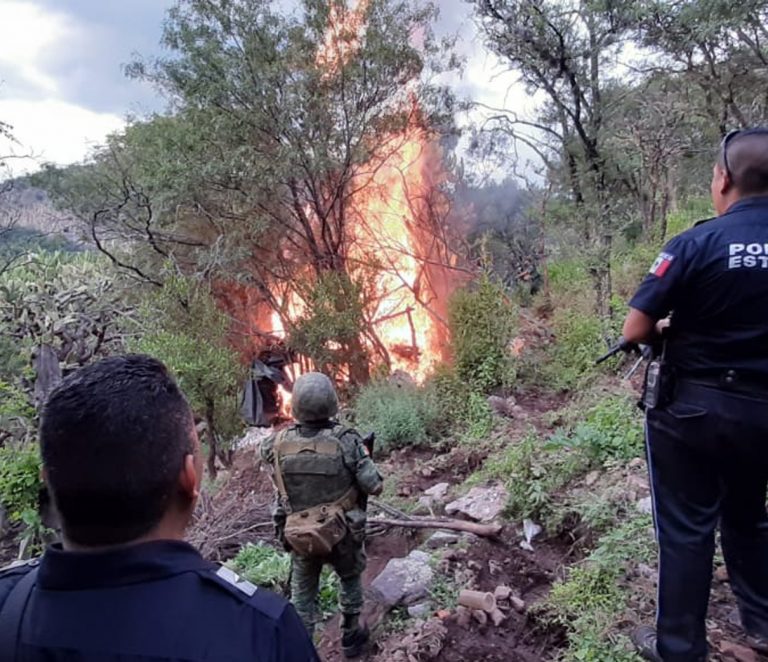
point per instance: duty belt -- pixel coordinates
(729, 380)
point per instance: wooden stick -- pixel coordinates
(484, 530)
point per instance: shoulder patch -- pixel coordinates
(20, 566)
(231, 577)
(662, 264)
(704, 220)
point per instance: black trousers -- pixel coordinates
(708, 461)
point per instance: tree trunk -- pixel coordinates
(213, 449)
(485, 530)
(601, 278)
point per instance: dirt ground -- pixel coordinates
(235, 510)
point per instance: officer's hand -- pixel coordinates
(662, 325)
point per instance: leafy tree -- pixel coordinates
(718, 48)
(568, 52)
(279, 122)
(181, 326)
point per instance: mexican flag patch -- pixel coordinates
(661, 265)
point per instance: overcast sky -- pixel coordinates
(62, 86)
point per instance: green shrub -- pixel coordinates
(400, 415)
(567, 275)
(578, 342)
(532, 472)
(590, 601)
(630, 266)
(20, 481)
(462, 407)
(483, 323)
(181, 326)
(328, 330)
(264, 566)
(611, 430)
(688, 213)
(17, 415)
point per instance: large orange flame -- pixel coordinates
(387, 233)
(346, 28)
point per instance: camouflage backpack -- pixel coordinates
(316, 489)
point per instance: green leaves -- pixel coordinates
(67, 301)
(20, 481)
(181, 326)
(400, 415)
(264, 566)
(483, 323)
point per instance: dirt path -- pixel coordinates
(483, 565)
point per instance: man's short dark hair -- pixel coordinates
(113, 437)
(747, 160)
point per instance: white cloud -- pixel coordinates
(27, 32)
(44, 125)
(53, 130)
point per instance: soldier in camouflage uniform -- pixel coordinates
(316, 463)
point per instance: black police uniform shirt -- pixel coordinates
(713, 278)
(151, 602)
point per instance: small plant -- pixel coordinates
(443, 590)
(264, 566)
(590, 600)
(400, 415)
(461, 405)
(610, 431)
(483, 322)
(532, 472)
(578, 342)
(20, 482)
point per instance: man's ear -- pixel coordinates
(724, 182)
(189, 485)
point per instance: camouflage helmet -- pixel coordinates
(314, 398)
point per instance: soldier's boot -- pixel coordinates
(644, 638)
(758, 642)
(355, 637)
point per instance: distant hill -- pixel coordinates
(32, 215)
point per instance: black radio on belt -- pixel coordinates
(659, 382)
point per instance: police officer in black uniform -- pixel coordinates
(707, 437)
(123, 464)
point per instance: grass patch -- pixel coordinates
(443, 590)
(532, 472)
(400, 414)
(591, 599)
(611, 430)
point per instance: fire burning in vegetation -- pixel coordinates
(395, 231)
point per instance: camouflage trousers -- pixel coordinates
(348, 561)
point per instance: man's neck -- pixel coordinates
(161, 532)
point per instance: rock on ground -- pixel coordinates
(404, 580)
(645, 505)
(253, 438)
(442, 539)
(482, 504)
(420, 610)
(438, 492)
(738, 652)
